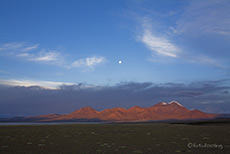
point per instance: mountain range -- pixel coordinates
(161, 111)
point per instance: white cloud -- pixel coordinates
(162, 48)
(23, 55)
(28, 48)
(21, 50)
(45, 84)
(47, 56)
(11, 46)
(90, 62)
(160, 45)
(156, 36)
(53, 57)
(19, 46)
(28, 83)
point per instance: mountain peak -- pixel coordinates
(170, 103)
(85, 109)
(175, 102)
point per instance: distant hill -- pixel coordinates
(157, 112)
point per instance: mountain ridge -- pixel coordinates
(158, 112)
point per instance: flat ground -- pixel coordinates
(114, 138)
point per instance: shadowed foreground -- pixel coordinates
(114, 138)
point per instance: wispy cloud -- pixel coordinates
(11, 46)
(23, 55)
(21, 50)
(205, 60)
(33, 53)
(202, 17)
(17, 46)
(30, 83)
(90, 62)
(159, 45)
(46, 56)
(28, 48)
(193, 32)
(43, 56)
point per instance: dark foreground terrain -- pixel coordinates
(115, 138)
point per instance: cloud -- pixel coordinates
(202, 17)
(43, 56)
(189, 93)
(160, 45)
(18, 46)
(192, 32)
(28, 48)
(89, 62)
(47, 56)
(32, 100)
(23, 55)
(162, 48)
(33, 53)
(205, 60)
(157, 44)
(17, 49)
(29, 83)
(11, 46)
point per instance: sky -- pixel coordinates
(57, 56)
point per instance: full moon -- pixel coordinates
(119, 61)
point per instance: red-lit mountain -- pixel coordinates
(160, 111)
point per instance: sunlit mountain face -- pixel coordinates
(160, 111)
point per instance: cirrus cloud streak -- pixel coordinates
(32, 53)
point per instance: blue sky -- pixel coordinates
(51, 43)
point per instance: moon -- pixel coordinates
(120, 62)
